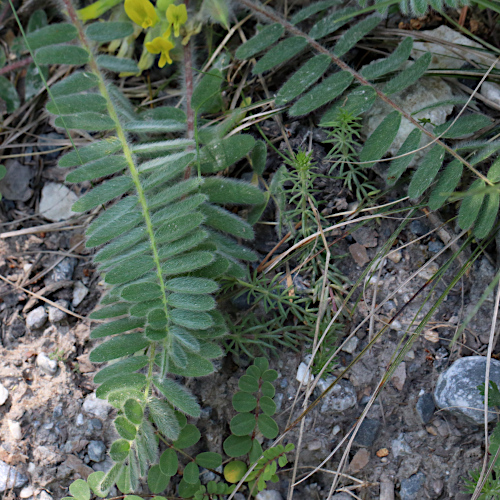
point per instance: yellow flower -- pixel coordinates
(142, 12)
(161, 45)
(176, 16)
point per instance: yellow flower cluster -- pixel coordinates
(143, 13)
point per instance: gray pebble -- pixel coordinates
(457, 388)
(47, 365)
(10, 477)
(269, 495)
(418, 228)
(411, 486)
(95, 424)
(64, 270)
(368, 432)
(58, 411)
(80, 291)
(96, 451)
(435, 246)
(43, 495)
(425, 407)
(36, 318)
(55, 314)
(340, 398)
(49, 140)
(79, 420)
(103, 466)
(4, 394)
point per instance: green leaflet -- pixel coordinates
(303, 78)
(191, 473)
(122, 223)
(191, 285)
(98, 168)
(279, 54)
(354, 34)
(357, 102)
(181, 245)
(169, 462)
(224, 153)
(127, 365)
(108, 31)
(178, 227)
(88, 120)
(138, 292)
(51, 35)
(112, 311)
(103, 193)
(326, 91)
(331, 23)
(163, 113)
(409, 75)
(465, 125)
(231, 248)
(209, 460)
(155, 127)
(185, 338)
(231, 191)
(262, 40)
(471, 204)
(178, 396)
(61, 54)
(258, 157)
(129, 269)
(186, 263)
(191, 302)
(159, 147)
(191, 319)
(9, 95)
(117, 64)
(446, 184)
(121, 243)
(223, 220)
(173, 193)
(267, 426)
(426, 172)
(391, 63)
(312, 9)
(95, 151)
(117, 326)
(206, 96)
(183, 207)
(71, 104)
(235, 446)
(381, 139)
(164, 418)
(141, 309)
(242, 424)
(487, 215)
(123, 381)
(76, 82)
(399, 165)
(118, 347)
(157, 481)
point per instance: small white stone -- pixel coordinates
(269, 495)
(43, 495)
(4, 394)
(491, 91)
(428, 272)
(36, 318)
(351, 345)
(79, 420)
(15, 430)
(80, 291)
(56, 202)
(26, 492)
(97, 407)
(55, 314)
(335, 430)
(49, 366)
(395, 256)
(304, 375)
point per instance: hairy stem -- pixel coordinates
(188, 79)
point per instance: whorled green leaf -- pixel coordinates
(103, 193)
(357, 102)
(390, 63)
(51, 35)
(224, 153)
(426, 172)
(381, 139)
(326, 91)
(118, 347)
(279, 54)
(302, 79)
(446, 184)
(122, 367)
(98, 168)
(471, 204)
(399, 165)
(409, 75)
(106, 31)
(61, 54)
(331, 23)
(261, 41)
(117, 64)
(88, 120)
(312, 9)
(355, 33)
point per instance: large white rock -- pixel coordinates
(56, 202)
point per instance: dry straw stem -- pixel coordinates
(273, 16)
